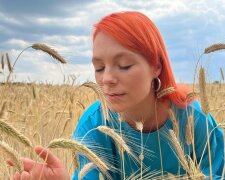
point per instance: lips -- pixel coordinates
(114, 96)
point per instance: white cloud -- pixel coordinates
(185, 24)
(18, 43)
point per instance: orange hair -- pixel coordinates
(138, 33)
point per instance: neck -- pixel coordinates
(151, 113)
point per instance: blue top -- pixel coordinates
(105, 147)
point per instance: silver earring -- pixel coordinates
(157, 84)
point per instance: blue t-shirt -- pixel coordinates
(105, 147)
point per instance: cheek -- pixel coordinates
(98, 79)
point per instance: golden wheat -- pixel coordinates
(73, 144)
(49, 51)
(10, 130)
(214, 47)
(85, 169)
(12, 154)
(165, 92)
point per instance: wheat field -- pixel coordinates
(46, 112)
(40, 113)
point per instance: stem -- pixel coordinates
(7, 80)
(142, 154)
(122, 155)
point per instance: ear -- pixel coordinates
(158, 69)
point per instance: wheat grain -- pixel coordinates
(49, 51)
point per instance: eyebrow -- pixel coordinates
(117, 56)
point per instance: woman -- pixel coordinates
(133, 70)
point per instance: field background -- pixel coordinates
(44, 112)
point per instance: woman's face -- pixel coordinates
(124, 76)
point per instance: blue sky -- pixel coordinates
(186, 26)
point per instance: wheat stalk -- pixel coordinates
(214, 47)
(85, 169)
(50, 51)
(74, 145)
(203, 94)
(10, 130)
(13, 155)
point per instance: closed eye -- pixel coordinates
(125, 67)
(99, 69)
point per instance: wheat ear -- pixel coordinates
(2, 61)
(3, 113)
(222, 74)
(75, 160)
(179, 151)
(164, 92)
(50, 51)
(10, 130)
(189, 130)
(202, 87)
(174, 122)
(100, 95)
(85, 169)
(8, 63)
(13, 154)
(74, 145)
(214, 47)
(122, 146)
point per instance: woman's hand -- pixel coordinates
(53, 169)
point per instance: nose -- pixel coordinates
(109, 77)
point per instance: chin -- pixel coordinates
(116, 108)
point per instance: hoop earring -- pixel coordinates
(157, 84)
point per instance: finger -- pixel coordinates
(48, 156)
(25, 175)
(16, 176)
(28, 164)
